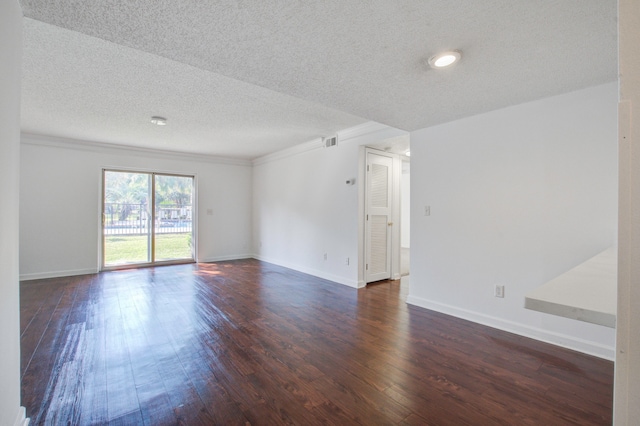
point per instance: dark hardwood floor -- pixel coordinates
(246, 342)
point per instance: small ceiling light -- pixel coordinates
(408, 153)
(445, 59)
(159, 121)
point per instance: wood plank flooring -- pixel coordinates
(246, 342)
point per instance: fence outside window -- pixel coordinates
(133, 219)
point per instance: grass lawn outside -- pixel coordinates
(124, 249)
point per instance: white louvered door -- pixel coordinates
(378, 217)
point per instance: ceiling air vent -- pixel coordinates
(329, 142)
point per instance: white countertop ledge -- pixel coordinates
(587, 292)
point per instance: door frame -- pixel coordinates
(194, 219)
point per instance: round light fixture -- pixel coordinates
(408, 153)
(159, 121)
(445, 59)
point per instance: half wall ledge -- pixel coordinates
(587, 292)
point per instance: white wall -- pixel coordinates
(10, 68)
(627, 377)
(518, 196)
(405, 205)
(302, 207)
(60, 203)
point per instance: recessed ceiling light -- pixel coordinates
(160, 121)
(445, 59)
(408, 153)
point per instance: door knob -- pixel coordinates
(390, 223)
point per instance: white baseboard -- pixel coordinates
(21, 418)
(584, 346)
(56, 274)
(310, 271)
(224, 258)
(70, 273)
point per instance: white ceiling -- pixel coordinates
(245, 78)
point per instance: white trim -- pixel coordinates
(288, 152)
(21, 417)
(311, 271)
(344, 136)
(57, 274)
(88, 271)
(357, 131)
(360, 181)
(225, 258)
(58, 142)
(195, 217)
(563, 340)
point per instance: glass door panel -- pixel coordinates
(126, 225)
(173, 217)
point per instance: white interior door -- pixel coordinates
(378, 214)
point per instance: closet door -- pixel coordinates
(378, 223)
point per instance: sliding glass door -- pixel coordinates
(126, 218)
(173, 218)
(147, 218)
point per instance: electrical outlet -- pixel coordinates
(498, 291)
(346, 262)
(325, 256)
(427, 210)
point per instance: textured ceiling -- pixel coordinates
(244, 78)
(86, 88)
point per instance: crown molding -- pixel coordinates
(345, 136)
(364, 129)
(288, 152)
(81, 145)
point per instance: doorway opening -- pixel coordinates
(147, 219)
(397, 223)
